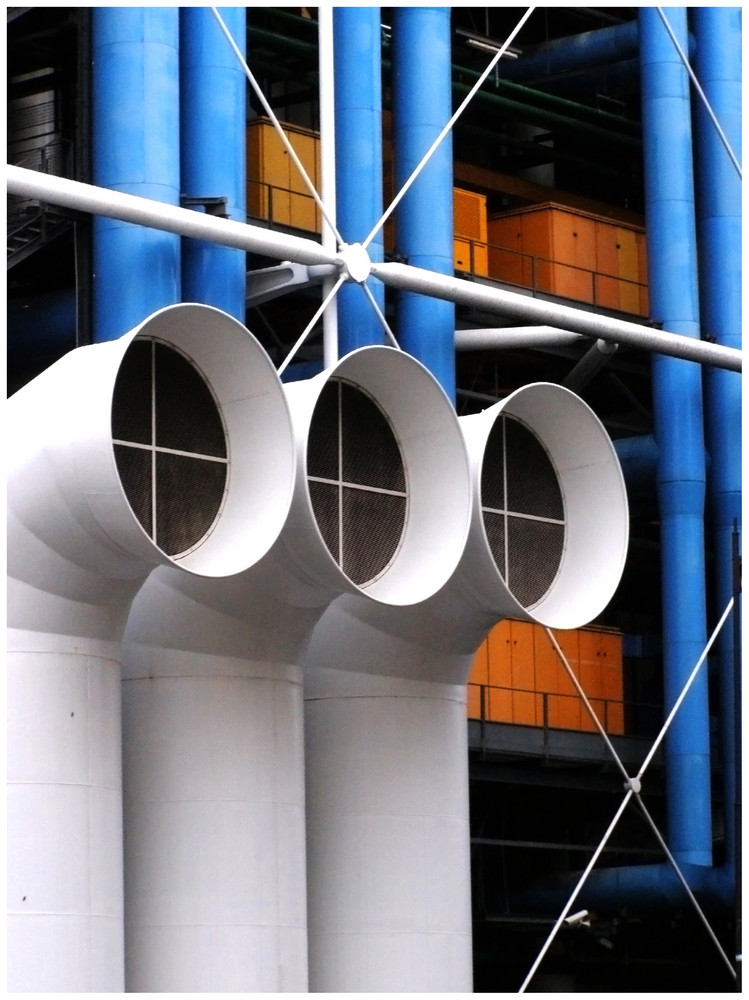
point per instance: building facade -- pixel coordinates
(340, 648)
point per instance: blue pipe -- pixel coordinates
(135, 140)
(358, 175)
(718, 68)
(213, 127)
(638, 457)
(42, 325)
(590, 50)
(576, 52)
(677, 409)
(422, 106)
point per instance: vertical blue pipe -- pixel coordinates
(422, 106)
(213, 125)
(677, 409)
(136, 150)
(358, 146)
(718, 67)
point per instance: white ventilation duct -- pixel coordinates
(385, 718)
(215, 855)
(125, 455)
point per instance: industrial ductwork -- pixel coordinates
(125, 455)
(385, 723)
(215, 855)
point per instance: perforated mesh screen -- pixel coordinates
(169, 445)
(523, 510)
(356, 480)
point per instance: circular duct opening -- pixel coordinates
(523, 510)
(357, 481)
(384, 489)
(202, 444)
(553, 509)
(170, 445)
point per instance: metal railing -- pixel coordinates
(285, 208)
(554, 710)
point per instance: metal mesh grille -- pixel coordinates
(523, 510)
(169, 445)
(357, 481)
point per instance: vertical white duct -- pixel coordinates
(215, 856)
(385, 718)
(100, 491)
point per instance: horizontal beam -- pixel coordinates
(270, 243)
(539, 312)
(169, 218)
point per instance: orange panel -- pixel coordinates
(480, 259)
(615, 718)
(469, 215)
(499, 707)
(573, 240)
(462, 254)
(522, 656)
(629, 297)
(525, 708)
(546, 662)
(480, 667)
(279, 205)
(564, 711)
(569, 644)
(642, 258)
(505, 231)
(306, 147)
(543, 278)
(499, 655)
(510, 266)
(589, 672)
(473, 701)
(607, 252)
(536, 238)
(572, 282)
(586, 722)
(303, 212)
(629, 253)
(607, 292)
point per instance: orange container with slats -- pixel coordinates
(525, 682)
(275, 188)
(566, 252)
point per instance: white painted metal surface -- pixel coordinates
(215, 855)
(385, 723)
(77, 556)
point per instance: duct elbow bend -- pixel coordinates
(143, 451)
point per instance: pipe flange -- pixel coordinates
(354, 260)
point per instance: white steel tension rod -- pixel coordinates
(270, 243)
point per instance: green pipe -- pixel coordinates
(539, 115)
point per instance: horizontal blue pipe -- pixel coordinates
(135, 143)
(599, 50)
(575, 52)
(213, 128)
(358, 145)
(650, 887)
